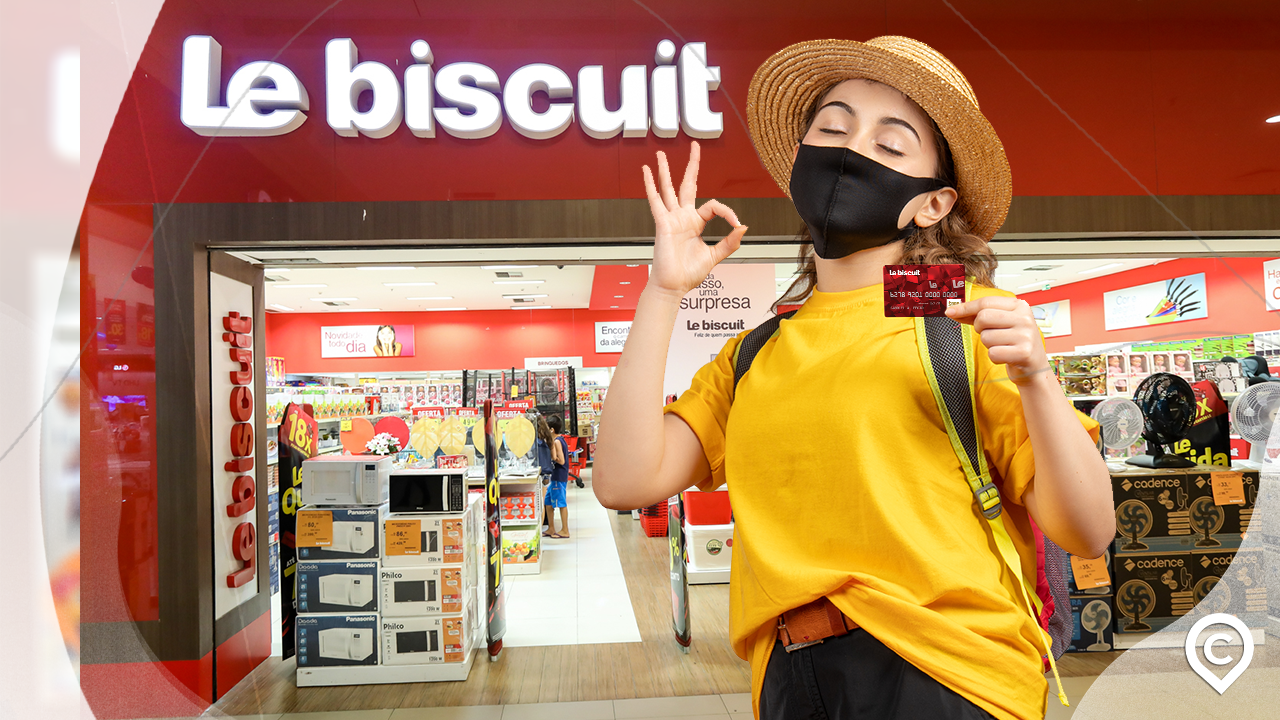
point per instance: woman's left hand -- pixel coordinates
(1008, 329)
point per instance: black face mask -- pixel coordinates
(851, 202)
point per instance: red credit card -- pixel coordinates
(922, 290)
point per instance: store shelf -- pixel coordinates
(706, 577)
(533, 568)
(384, 674)
(1126, 641)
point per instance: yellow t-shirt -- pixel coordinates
(844, 484)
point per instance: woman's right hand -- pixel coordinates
(681, 260)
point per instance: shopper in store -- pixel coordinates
(386, 342)
(558, 490)
(862, 522)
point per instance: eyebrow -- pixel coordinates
(887, 120)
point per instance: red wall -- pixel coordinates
(1234, 287)
(461, 340)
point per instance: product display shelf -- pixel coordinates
(700, 576)
(1164, 639)
(385, 674)
(524, 483)
(371, 418)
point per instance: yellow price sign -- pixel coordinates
(403, 537)
(345, 425)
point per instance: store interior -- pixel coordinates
(478, 330)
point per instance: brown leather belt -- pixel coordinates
(811, 624)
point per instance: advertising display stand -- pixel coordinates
(679, 563)
(495, 610)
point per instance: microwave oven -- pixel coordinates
(431, 491)
(345, 480)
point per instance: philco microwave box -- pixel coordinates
(426, 640)
(1207, 518)
(326, 640)
(1233, 582)
(424, 590)
(338, 533)
(1152, 589)
(337, 587)
(1149, 503)
(419, 540)
(1093, 617)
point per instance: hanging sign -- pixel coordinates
(552, 363)
(366, 341)
(611, 336)
(1053, 319)
(1166, 301)
(732, 298)
(1271, 283)
(146, 327)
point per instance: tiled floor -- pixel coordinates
(580, 596)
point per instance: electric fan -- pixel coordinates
(1121, 421)
(1096, 618)
(1205, 587)
(1134, 520)
(1169, 408)
(1135, 600)
(1253, 414)
(1206, 518)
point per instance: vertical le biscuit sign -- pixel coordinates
(243, 487)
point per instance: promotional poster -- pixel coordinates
(298, 437)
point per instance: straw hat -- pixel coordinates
(788, 84)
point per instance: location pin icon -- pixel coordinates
(1193, 658)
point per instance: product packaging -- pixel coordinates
(427, 640)
(337, 587)
(1153, 589)
(710, 547)
(1139, 367)
(339, 533)
(1226, 375)
(1089, 365)
(1230, 581)
(1149, 504)
(521, 546)
(434, 590)
(1093, 618)
(326, 640)
(518, 506)
(1218, 524)
(1161, 362)
(420, 540)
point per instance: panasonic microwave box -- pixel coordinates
(345, 480)
(337, 587)
(1209, 519)
(329, 640)
(339, 533)
(1093, 618)
(1150, 504)
(420, 540)
(435, 590)
(1153, 589)
(427, 640)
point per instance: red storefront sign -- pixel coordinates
(243, 486)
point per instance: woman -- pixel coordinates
(386, 345)
(884, 152)
(558, 490)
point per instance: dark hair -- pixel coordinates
(379, 332)
(544, 431)
(950, 241)
(556, 424)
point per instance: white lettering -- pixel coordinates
(697, 80)
(263, 98)
(517, 99)
(345, 81)
(631, 118)
(476, 95)
(664, 100)
(419, 95)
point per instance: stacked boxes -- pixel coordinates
(1092, 606)
(1083, 374)
(1175, 544)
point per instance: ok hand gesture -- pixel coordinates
(681, 260)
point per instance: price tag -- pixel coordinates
(1090, 573)
(315, 528)
(1228, 488)
(345, 425)
(403, 537)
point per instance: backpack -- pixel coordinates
(545, 464)
(946, 351)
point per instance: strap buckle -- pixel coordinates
(988, 498)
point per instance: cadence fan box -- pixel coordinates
(1150, 503)
(1152, 589)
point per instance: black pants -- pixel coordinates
(855, 677)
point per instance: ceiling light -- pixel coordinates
(524, 297)
(442, 309)
(1274, 119)
(1108, 266)
(613, 307)
(618, 296)
(281, 307)
(386, 267)
(633, 266)
(518, 282)
(357, 309)
(625, 282)
(335, 299)
(1041, 284)
(530, 307)
(291, 286)
(507, 267)
(409, 284)
(437, 297)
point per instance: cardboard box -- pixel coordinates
(1088, 364)
(710, 546)
(352, 533)
(1212, 520)
(1097, 612)
(1085, 385)
(1152, 586)
(427, 640)
(1149, 504)
(521, 546)
(434, 590)
(337, 587)
(432, 539)
(1226, 375)
(518, 506)
(331, 640)
(1233, 582)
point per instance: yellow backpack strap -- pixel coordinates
(946, 351)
